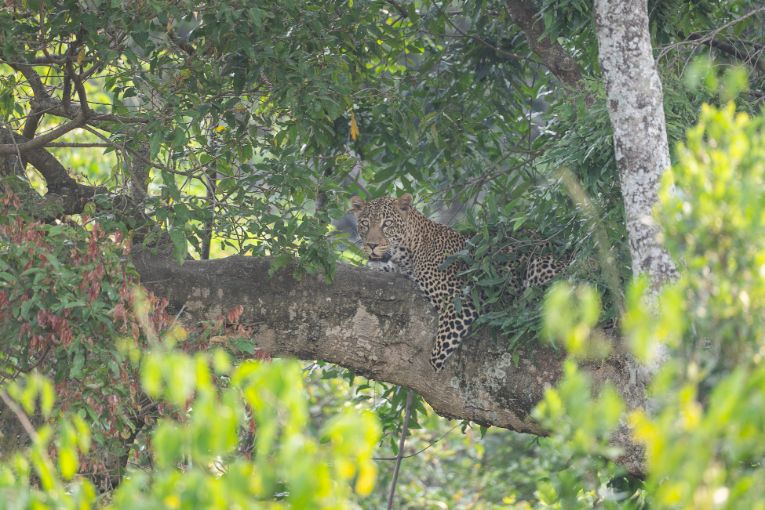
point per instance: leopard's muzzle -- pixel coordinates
(378, 252)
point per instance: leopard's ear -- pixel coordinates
(405, 202)
(357, 204)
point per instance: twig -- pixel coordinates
(407, 414)
(435, 441)
(79, 144)
(698, 40)
(20, 415)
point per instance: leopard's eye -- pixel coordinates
(364, 223)
(387, 223)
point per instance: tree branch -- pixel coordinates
(38, 89)
(40, 141)
(696, 39)
(56, 177)
(20, 415)
(65, 195)
(379, 326)
(56, 107)
(553, 56)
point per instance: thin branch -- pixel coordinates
(20, 415)
(42, 140)
(79, 144)
(56, 107)
(697, 39)
(79, 87)
(49, 60)
(429, 445)
(400, 8)
(404, 431)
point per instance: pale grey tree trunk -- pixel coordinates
(637, 116)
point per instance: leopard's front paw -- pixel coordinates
(384, 267)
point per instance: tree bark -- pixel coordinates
(635, 106)
(553, 56)
(380, 326)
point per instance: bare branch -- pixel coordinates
(400, 456)
(42, 140)
(697, 39)
(54, 145)
(20, 415)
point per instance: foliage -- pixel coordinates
(56, 483)
(65, 297)
(240, 128)
(703, 437)
(237, 119)
(198, 461)
(708, 425)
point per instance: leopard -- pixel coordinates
(397, 238)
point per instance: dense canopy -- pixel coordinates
(141, 139)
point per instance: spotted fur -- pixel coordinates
(397, 238)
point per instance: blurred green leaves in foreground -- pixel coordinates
(198, 461)
(704, 435)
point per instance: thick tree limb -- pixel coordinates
(553, 56)
(380, 326)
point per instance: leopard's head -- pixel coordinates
(381, 224)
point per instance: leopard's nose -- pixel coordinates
(372, 246)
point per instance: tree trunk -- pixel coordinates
(380, 326)
(637, 115)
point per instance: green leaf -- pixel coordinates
(180, 244)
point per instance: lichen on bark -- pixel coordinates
(636, 110)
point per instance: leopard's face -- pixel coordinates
(381, 225)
